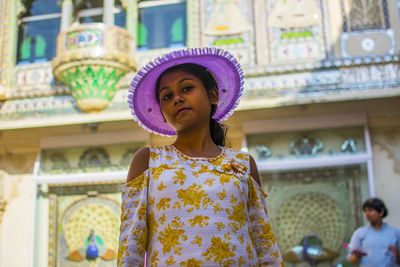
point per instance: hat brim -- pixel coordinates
(142, 94)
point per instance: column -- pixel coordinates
(66, 14)
(108, 12)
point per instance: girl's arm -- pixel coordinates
(264, 240)
(133, 229)
(139, 163)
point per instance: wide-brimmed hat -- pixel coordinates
(142, 97)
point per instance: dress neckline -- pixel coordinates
(187, 157)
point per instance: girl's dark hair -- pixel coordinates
(376, 204)
(218, 130)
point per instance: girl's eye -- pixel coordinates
(166, 96)
(187, 88)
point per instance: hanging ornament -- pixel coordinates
(226, 19)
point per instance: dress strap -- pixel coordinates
(158, 155)
(154, 156)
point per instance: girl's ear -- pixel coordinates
(214, 96)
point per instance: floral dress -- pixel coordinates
(193, 211)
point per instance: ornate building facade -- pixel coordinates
(320, 114)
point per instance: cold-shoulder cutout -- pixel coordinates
(254, 170)
(139, 163)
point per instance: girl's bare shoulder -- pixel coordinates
(139, 163)
(254, 170)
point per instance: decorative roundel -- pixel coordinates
(367, 44)
(310, 213)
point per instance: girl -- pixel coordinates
(194, 202)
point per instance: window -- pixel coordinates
(38, 31)
(316, 171)
(162, 24)
(91, 11)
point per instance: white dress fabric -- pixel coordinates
(188, 211)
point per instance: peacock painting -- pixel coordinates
(91, 230)
(92, 249)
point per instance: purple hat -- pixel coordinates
(142, 97)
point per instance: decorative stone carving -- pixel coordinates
(283, 15)
(323, 201)
(389, 140)
(35, 80)
(364, 43)
(365, 15)
(315, 213)
(7, 45)
(306, 146)
(17, 163)
(226, 33)
(60, 163)
(373, 73)
(296, 34)
(263, 152)
(127, 158)
(349, 146)
(298, 80)
(226, 19)
(94, 158)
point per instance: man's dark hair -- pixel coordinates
(376, 204)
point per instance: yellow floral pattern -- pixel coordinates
(186, 211)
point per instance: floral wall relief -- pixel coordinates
(388, 139)
(17, 163)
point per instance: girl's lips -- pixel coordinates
(181, 110)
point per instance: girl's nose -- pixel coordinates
(178, 99)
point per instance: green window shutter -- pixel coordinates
(177, 31)
(40, 47)
(25, 49)
(142, 35)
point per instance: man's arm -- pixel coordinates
(355, 254)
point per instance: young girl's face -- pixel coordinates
(184, 101)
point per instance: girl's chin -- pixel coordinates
(183, 129)
(188, 124)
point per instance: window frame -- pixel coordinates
(313, 123)
(155, 3)
(26, 20)
(97, 11)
